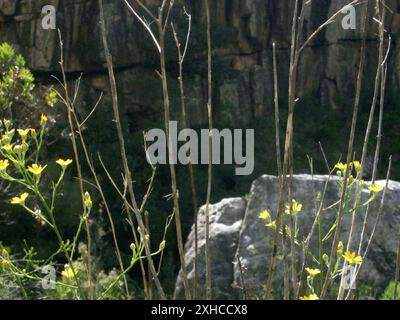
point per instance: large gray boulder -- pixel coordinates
(226, 219)
(250, 240)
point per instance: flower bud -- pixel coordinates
(325, 258)
(33, 132)
(4, 253)
(43, 119)
(7, 123)
(162, 245)
(340, 248)
(87, 201)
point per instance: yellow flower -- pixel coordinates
(312, 296)
(20, 200)
(33, 132)
(3, 165)
(374, 188)
(36, 169)
(87, 200)
(341, 166)
(23, 133)
(357, 165)
(296, 207)
(265, 215)
(64, 163)
(5, 139)
(43, 119)
(272, 224)
(6, 123)
(51, 98)
(4, 264)
(340, 248)
(352, 258)
(313, 272)
(67, 272)
(7, 148)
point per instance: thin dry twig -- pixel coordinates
(121, 140)
(285, 167)
(144, 23)
(356, 108)
(166, 101)
(70, 109)
(378, 217)
(379, 82)
(181, 58)
(209, 178)
(277, 125)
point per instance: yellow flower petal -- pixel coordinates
(313, 272)
(271, 225)
(36, 169)
(357, 165)
(64, 163)
(4, 264)
(20, 200)
(374, 188)
(67, 272)
(265, 215)
(358, 260)
(23, 133)
(51, 98)
(3, 165)
(7, 148)
(312, 296)
(341, 166)
(352, 258)
(296, 207)
(43, 119)
(87, 200)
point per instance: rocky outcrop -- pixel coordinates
(226, 219)
(250, 240)
(243, 33)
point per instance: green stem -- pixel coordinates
(59, 237)
(78, 232)
(321, 250)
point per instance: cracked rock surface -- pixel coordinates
(237, 231)
(243, 33)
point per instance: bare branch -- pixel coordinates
(147, 27)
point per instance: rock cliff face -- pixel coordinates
(236, 231)
(243, 33)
